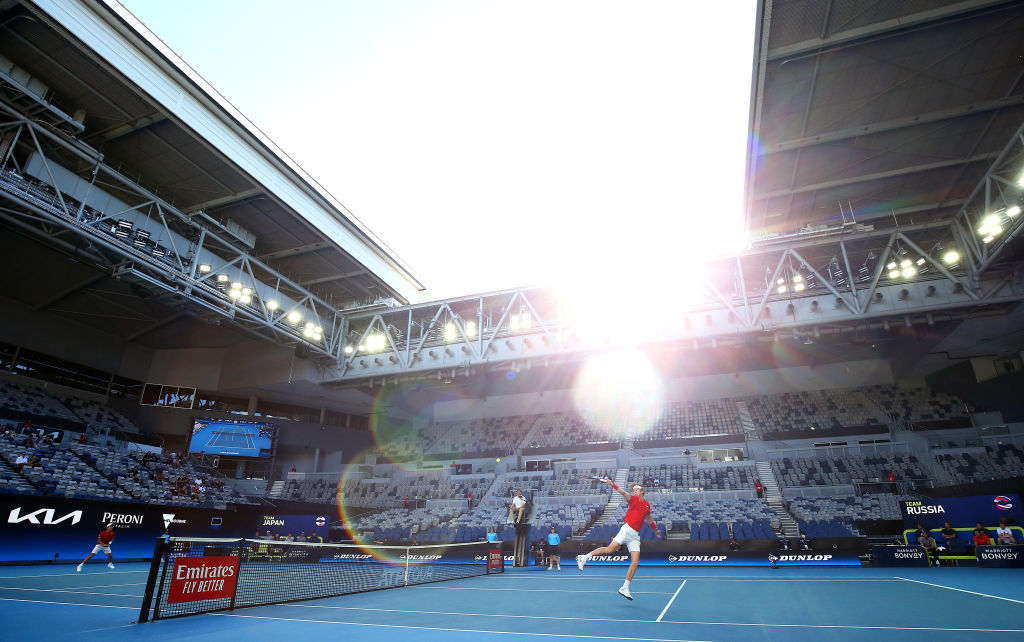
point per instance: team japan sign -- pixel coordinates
(203, 578)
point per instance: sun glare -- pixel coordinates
(619, 394)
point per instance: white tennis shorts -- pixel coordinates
(629, 537)
(100, 549)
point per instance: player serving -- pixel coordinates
(629, 534)
(103, 541)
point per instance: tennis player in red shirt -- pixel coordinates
(629, 534)
(103, 541)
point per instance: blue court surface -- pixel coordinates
(56, 603)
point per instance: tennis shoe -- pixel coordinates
(79, 568)
(624, 592)
(580, 561)
(110, 565)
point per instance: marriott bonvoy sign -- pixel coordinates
(203, 578)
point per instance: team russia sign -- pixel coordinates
(203, 578)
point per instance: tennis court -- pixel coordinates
(230, 439)
(55, 603)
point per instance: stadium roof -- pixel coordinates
(151, 114)
(883, 112)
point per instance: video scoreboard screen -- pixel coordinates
(234, 438)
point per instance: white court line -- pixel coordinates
(674, 579)
(504, 615)
(961, 590)
(45, 575)
(596, 637)
(102, 606)
(68, 588)
(434, 628)
(842, 626)
(665, 610)
(617, 619)
(38, 590)
(532, 590)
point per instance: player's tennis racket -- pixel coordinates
(597, 478)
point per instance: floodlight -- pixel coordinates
(1013, 211)
(524, 320)
(905, 263)
(295, 316)
(222, 278)
(782, 289)
(310, 325)
(799, 287)
(892, 265)
(318, 329)
(921, 261)
(362, 347)
(780, 282)
(449, 332)
(952, 256)
(797, 278)
(348, 350)
(909, 272)
(988, 223)
(894, 274)
(235, 294)
(272, 305)
(470, 329)
(308, 333)
(513, 322)
(987, 239)
(205, 268)
(245, 299)
(247, 291)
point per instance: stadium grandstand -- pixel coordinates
(205, 349)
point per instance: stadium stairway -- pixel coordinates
(746, 421)
(773, 495)
(276, 489)
(607, 515)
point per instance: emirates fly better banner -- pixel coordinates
(203, 578)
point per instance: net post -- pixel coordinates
(407, 553)
(154, 570)
(238, 572)
(163, 577)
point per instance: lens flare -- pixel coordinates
(619, 393)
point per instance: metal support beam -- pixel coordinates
(864, 178)
(296, 251)
(65, 293)
(883, 28)
(223, 200)
(154, 326)
(335, 277)
(890, 125)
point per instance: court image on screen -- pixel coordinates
(235, 438)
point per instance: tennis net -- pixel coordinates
(190, 576)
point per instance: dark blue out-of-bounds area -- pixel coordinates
(56, 603)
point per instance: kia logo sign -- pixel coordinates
(47, 514)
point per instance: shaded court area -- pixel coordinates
(56, 603)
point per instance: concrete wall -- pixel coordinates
(54, 335)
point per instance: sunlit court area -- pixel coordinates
(478, 320)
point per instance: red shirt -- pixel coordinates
(637, 511)
(105, 537)
(981, 539)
